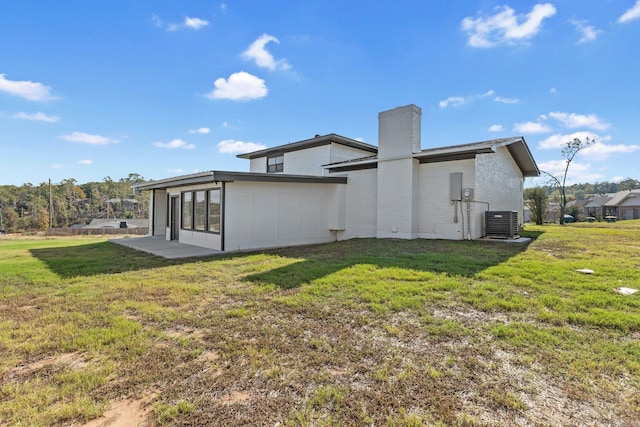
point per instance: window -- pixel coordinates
(187, 210)
(214, 211)
(200, 212)
(275, 163)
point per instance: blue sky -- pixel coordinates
(90, 89)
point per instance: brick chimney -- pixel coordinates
(398, 140)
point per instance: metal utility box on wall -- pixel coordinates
(501, 224)
(455, 185)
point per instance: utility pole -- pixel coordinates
(50, 206)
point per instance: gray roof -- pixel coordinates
(516, 146)
(317, 141)
(597, 201)
(225, 176)
(620, 196)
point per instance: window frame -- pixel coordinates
(275, 163)
(200, 222)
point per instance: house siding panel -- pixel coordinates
(258, 165)
(264, 215)
(159, 212)
(342, 153)
(307, 162)
(361, 204)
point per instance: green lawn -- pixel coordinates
(362, 332)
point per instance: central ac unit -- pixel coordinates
(501, 224)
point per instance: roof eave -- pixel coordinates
(310, 143)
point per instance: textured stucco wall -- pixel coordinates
(436, 212)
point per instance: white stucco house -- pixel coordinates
(330, 188)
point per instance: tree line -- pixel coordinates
(31, 207)
(538, 198)
(582, 191)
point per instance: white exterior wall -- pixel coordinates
(192, 237)
(264, 215)
(308, 161)
(436, 212)
(341, 153)
(158, 212)
(361, 204)
(258, 165)
(499, 182)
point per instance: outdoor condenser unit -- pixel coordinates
(501, 224)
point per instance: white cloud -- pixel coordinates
(195, 23)
(231, 146)
(192, 23)
(506, 100)
(240, 86)
(85, 162)
(556, 141)
(631, 14)
(87, 138)
(257, 52)
(553, 90)
(223, 7)
(600, 151)
(178, 170)
(174, 144)
(573, 120)
(505, 26)
(453, 101)
(488, 93)
(38, 117)
(202, 131)
(531, 127)
(495, 128)
(33, 91)
(588, 32)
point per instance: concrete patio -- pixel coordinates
(169, 249)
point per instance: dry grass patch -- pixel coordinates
(364, 332)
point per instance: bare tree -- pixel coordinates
(569, 151)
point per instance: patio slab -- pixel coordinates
(169, 249)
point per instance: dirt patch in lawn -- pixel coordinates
(124, 413)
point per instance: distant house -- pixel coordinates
(330, 188)
(594, 206)
(624, 205)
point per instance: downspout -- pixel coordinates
(152, 209)
(223, 214)
(469, 237)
